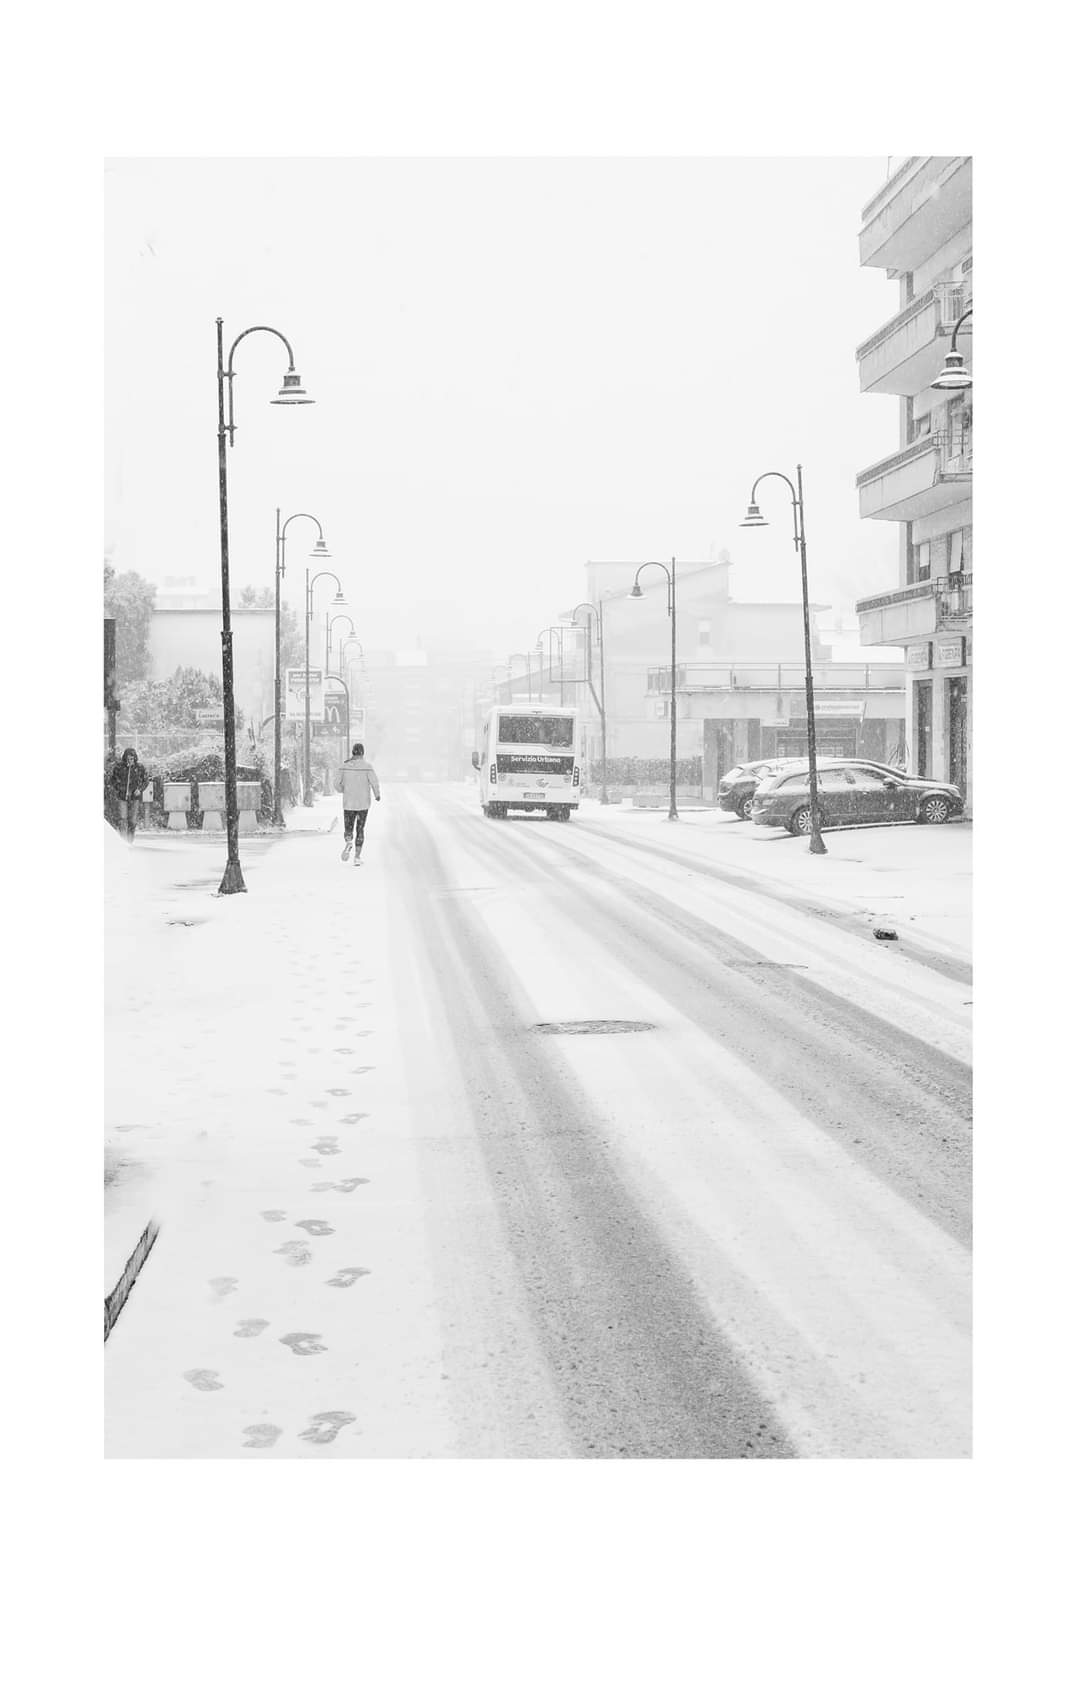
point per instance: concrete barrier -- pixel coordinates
(248, 797)
(212, 804)
(177, 802)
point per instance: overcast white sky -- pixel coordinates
(518, 365)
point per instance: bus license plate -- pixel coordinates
(536, 795)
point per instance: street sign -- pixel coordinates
(294, 694)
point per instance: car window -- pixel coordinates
(798, 780)
(866, 778)
(832, 780)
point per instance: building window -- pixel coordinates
(704, 635)
(920, 561)
(956, 553)
(920, 427)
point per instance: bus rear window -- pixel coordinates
(536, 730)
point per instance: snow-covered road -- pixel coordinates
(404, 1216)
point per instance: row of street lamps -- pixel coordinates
(291, 392)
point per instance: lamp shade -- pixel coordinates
(320, 548)
(754, 517)
(340, 598)
(292, 389)
(636, 591)
(954, 375)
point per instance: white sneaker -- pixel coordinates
(345, 854)
(356, 860)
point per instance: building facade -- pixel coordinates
(918, 227)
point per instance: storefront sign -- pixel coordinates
(950, 652)
(839, 707)
(918, 656)
(294, 694)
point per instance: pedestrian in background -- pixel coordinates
(127, 779)
(358, 784)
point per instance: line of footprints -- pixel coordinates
(323, 1428)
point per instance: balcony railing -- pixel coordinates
(776, 677)
(909, 484)
(916, 611)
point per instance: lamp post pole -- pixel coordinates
(345, 689)
(320, 547)
(291, 391)
(636, 592)
(597, 609)
(754, 518)
(309, 583)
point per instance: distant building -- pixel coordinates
(420, 712)
(918, 227)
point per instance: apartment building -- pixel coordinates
(918, 227)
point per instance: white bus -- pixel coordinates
(529, 760)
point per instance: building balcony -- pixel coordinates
(906, 354)
(917, 481)
(918, 612)
(916, 211)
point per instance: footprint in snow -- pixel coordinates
(273, 1214)
(251, 1327)
(223, 1286)
(347, 1276)
(261, 1437)
(296, 1253)
(324, 1428)
(345, 1187)
(204, 1378)
(315, 1227)
(304, 1342)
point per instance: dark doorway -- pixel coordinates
(958, 732)
(924, 712)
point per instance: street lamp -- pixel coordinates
(597, 609)
(330, 623)
(546, 634)
(527, 656)
(320, 553)
(954, 376)
(636, 592)
(278, 819)
(754, 518)
(291, 391)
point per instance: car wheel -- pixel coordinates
(802, 820)
(744, 807)
(935, 810)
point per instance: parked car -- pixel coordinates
(852, 791)
(736, 790)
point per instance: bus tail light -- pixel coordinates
(493, 775)
(577, 776)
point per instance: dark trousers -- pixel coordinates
(355, 819)
(128, 812)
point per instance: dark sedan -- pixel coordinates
(850, 792)
(736, 790)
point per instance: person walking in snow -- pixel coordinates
(127, 779)
(358, 784)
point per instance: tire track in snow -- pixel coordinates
(899, 1106)
(640, 1365)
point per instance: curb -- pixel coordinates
(136, 1260)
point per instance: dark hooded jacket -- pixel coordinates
(125, 782)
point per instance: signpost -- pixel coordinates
(295, 697)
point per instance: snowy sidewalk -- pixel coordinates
(907, 876)
(255, 1107)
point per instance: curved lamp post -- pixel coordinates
(292, 391)
(301, 515)
(319, 553)
(597, 609)
(527, 656)
(540, 637)
(954, 375)
(636, 592)
(331, 621)
(754, 518)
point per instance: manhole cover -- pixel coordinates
(595, 1026)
